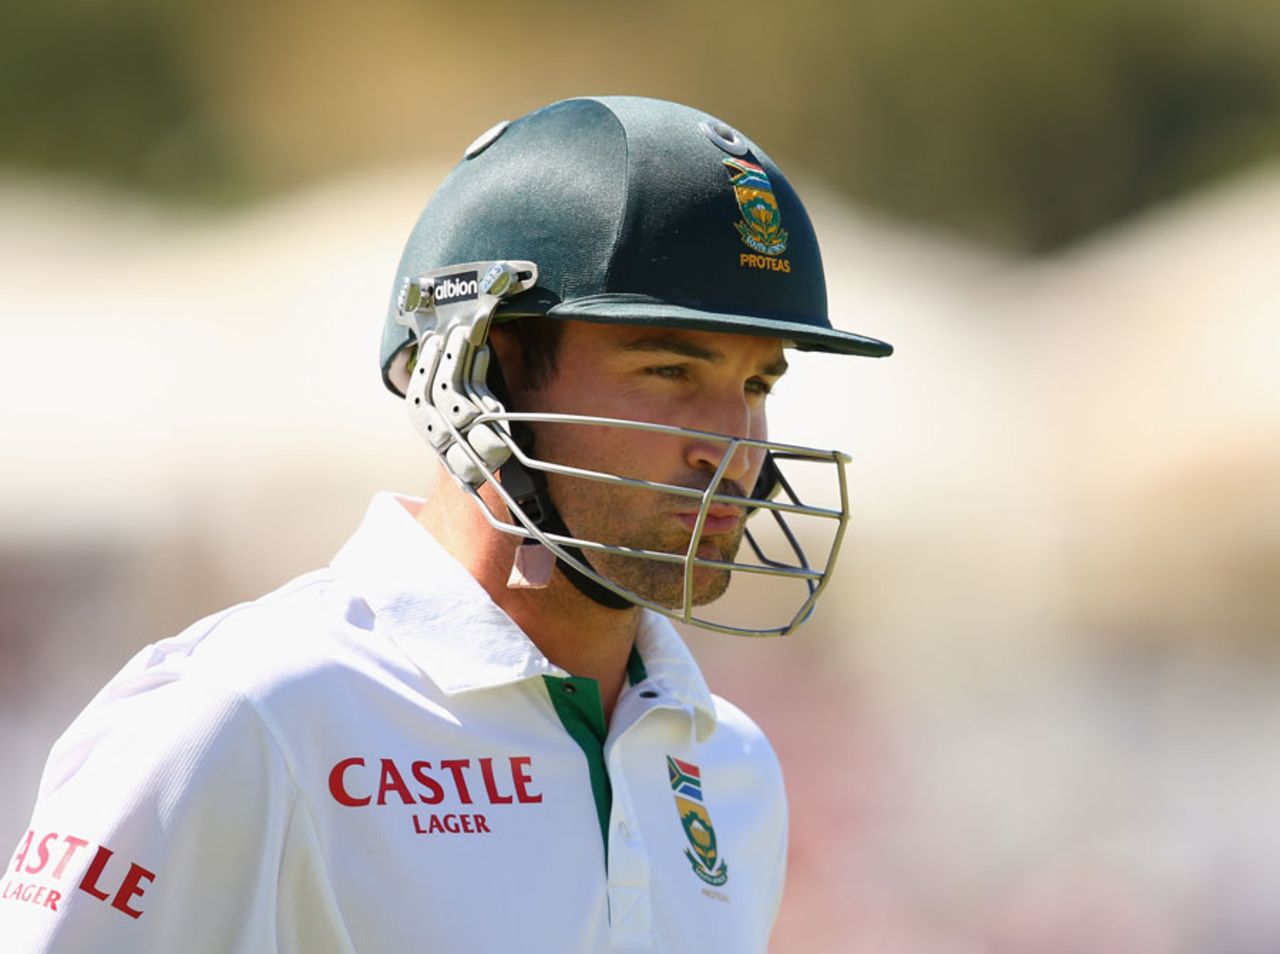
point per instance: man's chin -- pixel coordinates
(663, 583)
(709, 584)
(702, 595)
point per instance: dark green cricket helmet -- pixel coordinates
(634, 210)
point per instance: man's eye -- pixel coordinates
(758, 386)
(669, 371)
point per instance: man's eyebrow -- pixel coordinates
(671, 345)
(663, 344)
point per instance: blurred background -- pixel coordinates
(1037, 711)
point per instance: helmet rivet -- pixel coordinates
(724, 136)
(413, 296)
(485, 139)
(498, 280)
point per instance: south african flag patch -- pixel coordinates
(702, 853)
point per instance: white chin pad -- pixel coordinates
(532, 567)
(489, 446)
(458, 462)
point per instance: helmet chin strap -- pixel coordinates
(529, 490)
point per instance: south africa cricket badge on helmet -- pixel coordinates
(702, 853)
(760, 224)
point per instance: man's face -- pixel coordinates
(698, 380)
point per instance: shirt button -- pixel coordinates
(624, 830)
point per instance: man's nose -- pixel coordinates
(706, 454)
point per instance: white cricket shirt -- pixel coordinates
(375, 758)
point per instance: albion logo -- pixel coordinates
(464, 286)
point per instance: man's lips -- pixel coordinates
(720, 519)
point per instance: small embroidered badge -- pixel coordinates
(761, 224)
(686, 783)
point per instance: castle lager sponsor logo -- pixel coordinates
(359, 782)
(464, 286)
(42, 863)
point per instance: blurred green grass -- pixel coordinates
(1024, 125)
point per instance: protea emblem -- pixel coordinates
(761, 224)
(686, 782)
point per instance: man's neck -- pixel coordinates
(574, 632)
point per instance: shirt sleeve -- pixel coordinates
(159, 827)
(780, 869)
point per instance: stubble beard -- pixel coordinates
(621, 523)
(663, 583)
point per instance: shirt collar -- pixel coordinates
(441, 617)
(671, 667)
